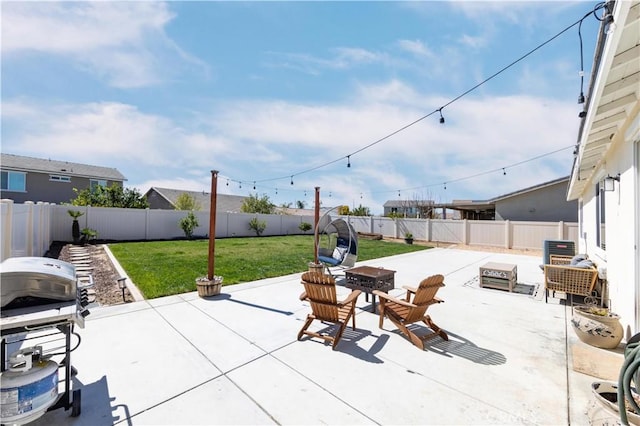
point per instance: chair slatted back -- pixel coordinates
(423, 297)
(321, 292)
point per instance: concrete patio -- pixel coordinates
(234, 358)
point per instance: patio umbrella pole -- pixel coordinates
(212, 223)
(317, 219)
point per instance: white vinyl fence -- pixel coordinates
(28, 229)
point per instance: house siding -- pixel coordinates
(40, 188)
(548, 204)
(620, 259)
(157, 201)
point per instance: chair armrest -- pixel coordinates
(385, 296)
(303, 296)
(410, 289)
(353, 296)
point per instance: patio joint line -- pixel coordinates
(566, 360)
(502, 410)
(319, 385)
(222, 372)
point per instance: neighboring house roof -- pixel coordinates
(408, 203)
(225, 203)
(31, 164)
(613, 98)
(529, 189)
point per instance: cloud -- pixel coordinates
(257, 139)
(341, 58)
(135, 54)
(416, 47)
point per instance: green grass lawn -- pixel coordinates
(163, 268)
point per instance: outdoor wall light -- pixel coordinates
(122, 285)
(609, 182)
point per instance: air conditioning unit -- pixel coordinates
(564, 247)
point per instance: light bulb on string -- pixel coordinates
(504, 172)
(240, 185)
(329, 194)
(276, 191)
(445, 185)
(227, 182)
(398, 193)
(291, 179)
(441, 117)
(348, 161)
(254, 185)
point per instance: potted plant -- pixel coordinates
(88, 235)
(75, 226)
(209, 287)
(597, 326)
(408, 237)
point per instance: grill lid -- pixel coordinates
(39, 277)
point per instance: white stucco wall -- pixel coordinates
(620, 259)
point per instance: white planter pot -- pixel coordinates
(601, 331)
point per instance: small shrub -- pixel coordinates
(257, 225)
(188, 224)
(88, 235)
(304, 226)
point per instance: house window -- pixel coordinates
(14, 181)
(59, 178)
(600, 217)
(98, 182)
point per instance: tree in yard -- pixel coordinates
(343, 210)
(257, 225)
(361, 211)
(300, 204)
(188, 224)
(305, 226)
(255, 204)
(187, 202)
(112, 196)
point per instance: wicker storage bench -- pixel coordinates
(570, 280)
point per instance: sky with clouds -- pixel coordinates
(273, 92)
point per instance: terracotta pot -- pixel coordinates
(208, 287)
(601, 331)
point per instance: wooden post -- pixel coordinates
(212, 223)
(317, 219)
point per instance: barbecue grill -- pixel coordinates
(41, 304)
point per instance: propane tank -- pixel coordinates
(28, 387)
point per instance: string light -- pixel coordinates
(504, 172)
(254, 185)
(607, 18)
(227, 182)
(445, 185)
